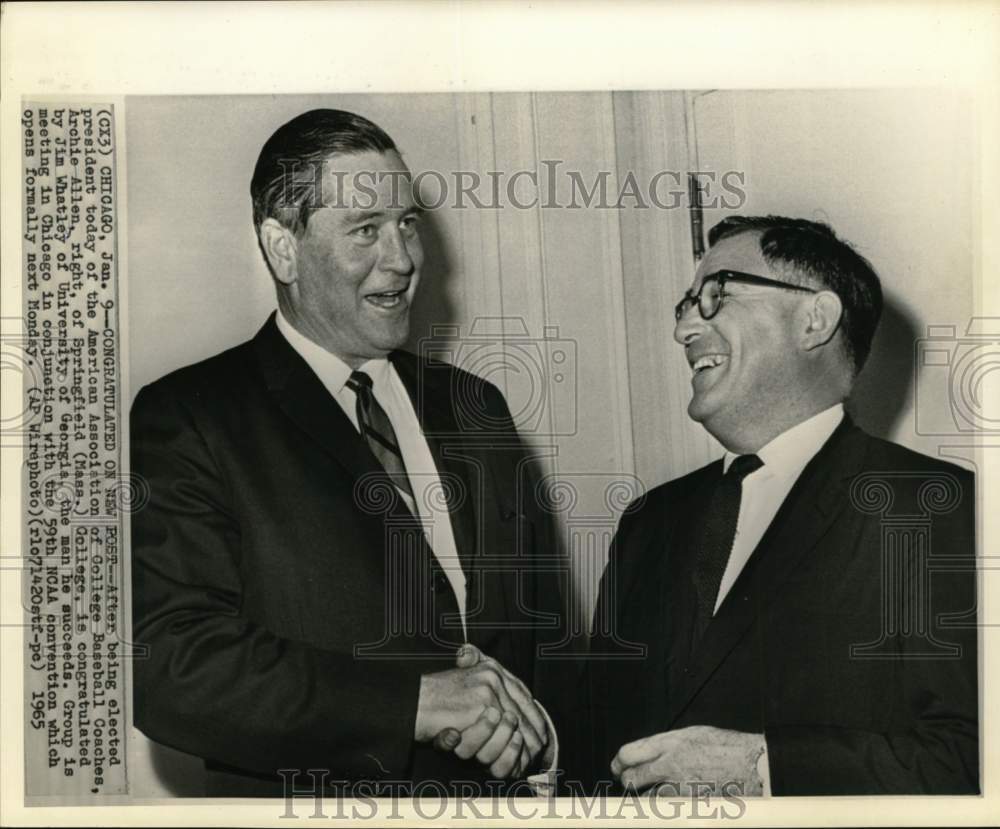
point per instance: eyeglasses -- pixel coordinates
(713, 291)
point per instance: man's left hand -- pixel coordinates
(696, 754)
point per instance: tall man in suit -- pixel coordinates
(325, 510)
(804, 608)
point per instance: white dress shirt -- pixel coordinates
(421, 470)
(764, 491)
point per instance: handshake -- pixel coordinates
(479, 709)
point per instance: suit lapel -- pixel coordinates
(305, 400)
(432, 401)
(684, 552)
(805, 516)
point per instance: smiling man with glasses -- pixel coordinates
(708, 299)
(791, 646)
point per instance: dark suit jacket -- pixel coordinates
(288, 601)
(848, 640)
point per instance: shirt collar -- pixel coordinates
(328, 367)
(789, 452)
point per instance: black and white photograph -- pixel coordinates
(504, 448)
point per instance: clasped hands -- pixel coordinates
(480, 709)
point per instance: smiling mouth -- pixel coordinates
(387, 300)
(706, 363)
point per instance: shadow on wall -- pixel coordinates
(884, 387)
(433, 305)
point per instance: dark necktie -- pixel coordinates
(377, 430)
(716, 538)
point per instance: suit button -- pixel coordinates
(440, 581)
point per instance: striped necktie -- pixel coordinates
(378, 432)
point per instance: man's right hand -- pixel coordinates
(493, 740)
(480, 709)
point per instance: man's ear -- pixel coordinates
(822, 319)
(279, 246)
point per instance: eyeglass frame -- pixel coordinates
(721, 278)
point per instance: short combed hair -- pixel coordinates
(290, 164)
(813, 249)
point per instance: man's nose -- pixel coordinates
(690, 326)
(394, 255)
